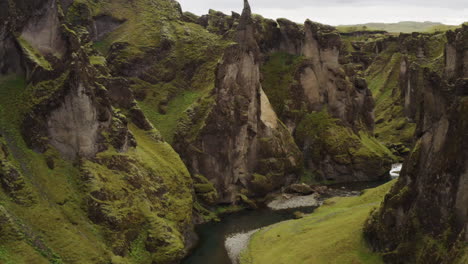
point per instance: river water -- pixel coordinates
(211, 247)
(211, 250)
(396, 169)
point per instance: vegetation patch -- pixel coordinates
(279, 75)
(332, 234)
(323, 136)
(34, 55)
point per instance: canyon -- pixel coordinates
(126, 123)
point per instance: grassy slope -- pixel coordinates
(58, 227)
(404, 27)
(52, 226)
(147, 24)
(383, 79)
(278, 76)
(332, 234)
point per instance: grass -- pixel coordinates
(97, 60)
(55, 227)
(278, 74)
(383, 79)
(404, 27)
(34, 55)
(173, 81)
(341, 144)
(332, 234)
(167, 123)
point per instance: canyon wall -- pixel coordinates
(310, 84)
(424, 218)
(240, 145)
(85, 178)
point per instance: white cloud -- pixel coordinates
(337, 12)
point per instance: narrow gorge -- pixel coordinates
(134, 132)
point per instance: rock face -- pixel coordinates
(242, 146)
(318, 82)
(424, 218)
(302, 74)
(77, 151)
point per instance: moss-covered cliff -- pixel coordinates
(99, 98)
(424, 218)
(233, 136)
(84, 177)
(304, 72)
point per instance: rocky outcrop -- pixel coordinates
(424, 217)
(239, 143)
(303, 78)
(303, 72)
(77, 150)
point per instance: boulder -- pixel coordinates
(299, 188)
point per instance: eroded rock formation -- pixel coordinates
(77, 151)
(303, 73)
(424, 218)
(241, 145)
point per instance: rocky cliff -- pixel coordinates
(237, 141)
(424, 219)
(303, 75)
(96, 95)
(328, 108)
(85, 178)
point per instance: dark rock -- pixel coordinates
(241, 130)
(429, 198)
(302, 188)
(139, 119)
(103, 25)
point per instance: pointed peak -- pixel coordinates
(246, 17)
(247, 7)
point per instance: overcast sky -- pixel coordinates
(336, 12)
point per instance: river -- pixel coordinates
(211, 247)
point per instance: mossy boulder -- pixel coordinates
(205, 190)
(336, 153)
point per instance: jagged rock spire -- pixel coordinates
(247, 9)
(246, 17)
(245, 30)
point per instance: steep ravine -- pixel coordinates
(424, 217)
(123, 124)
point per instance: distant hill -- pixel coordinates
(404, 26)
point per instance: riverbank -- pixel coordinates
(332, 234)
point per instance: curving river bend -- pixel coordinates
(211, 247)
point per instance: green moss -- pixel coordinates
(261, 183)
(314, 126)
(34, 55)
(98, 60)
(57, 227)
(185, 74)
(332, 234)
(279, 73)
(383, 79)
(203, 188)
(174, 110)
(44, 90)
(193, 120)
(5, 256)
(324, 136)
(372, 147)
